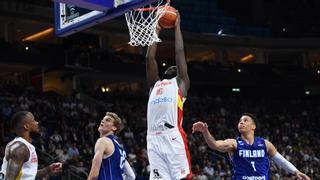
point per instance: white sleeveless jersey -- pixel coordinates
(165, 105)
(29, 168)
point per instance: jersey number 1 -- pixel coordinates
(253, 166)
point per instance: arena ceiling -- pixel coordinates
(198, 46)
(285, 18)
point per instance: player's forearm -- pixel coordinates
(151, 65)
(180, 58)
(128, 171)
(90, 177)
(151, 62)
(11, 176)
(43, 172)
(13, 170)
(152, 50)
(152, 72)
(93, 175)
(95, 168)
(284, 163)
(210, 140)
(178, 40)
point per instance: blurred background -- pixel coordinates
(257, 56)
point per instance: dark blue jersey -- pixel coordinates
(112, 166)
(250, 161)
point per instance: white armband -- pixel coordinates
(283, 163)
(129, 174)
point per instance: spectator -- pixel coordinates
(56, 137)
(208, 170)
(297, 136)
(73, 151)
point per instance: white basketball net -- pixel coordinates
(142, 25)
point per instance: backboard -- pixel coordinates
(72, 16)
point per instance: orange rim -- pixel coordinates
(148, 9)
(151, 8)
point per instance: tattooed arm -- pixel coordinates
(18, 154)
(42, 172)
(49, 170)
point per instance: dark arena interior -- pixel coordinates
(257, 56)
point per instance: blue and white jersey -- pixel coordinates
(112, 166)
(250, 162)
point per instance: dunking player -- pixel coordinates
(166, 141)
(109, 161)
(248, 153)
(21, 160)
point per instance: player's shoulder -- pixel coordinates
(239, 140)
(104, 140)
(18, 150)
(18, 146)
(267, 142)
(232, 141)
(269, 145)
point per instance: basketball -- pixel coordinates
(169, 17)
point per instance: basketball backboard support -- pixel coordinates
(72, 16)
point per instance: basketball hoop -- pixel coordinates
(142, 24)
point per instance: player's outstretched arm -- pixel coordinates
(282, 162)
(182, 68)
(102, 145)
(228, 145)
(49, 170)
(129, 174)
(17, 155)
(151, 63)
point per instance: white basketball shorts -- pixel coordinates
(168, 155)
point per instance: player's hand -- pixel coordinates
(199, 127)
(158, 28)
(302, 176)
(55, 168)
(177, 23)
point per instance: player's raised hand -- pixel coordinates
(199, 127)
(158, 28)
(302, 176)
(177, 23)
(55, 168)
